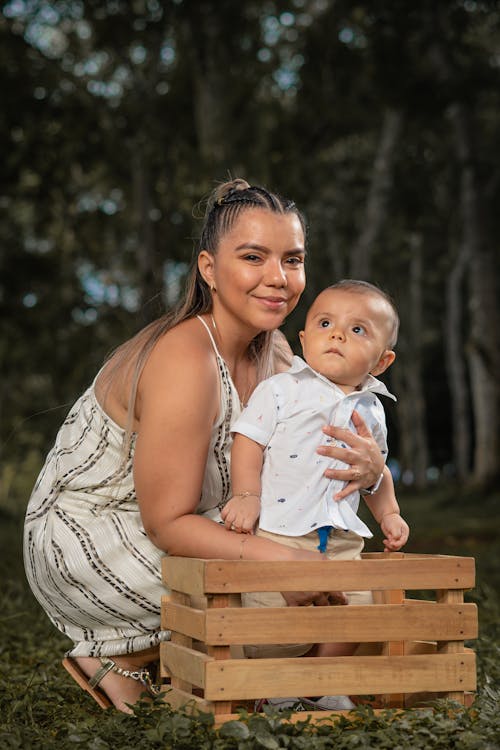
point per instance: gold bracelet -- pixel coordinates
(246, 494)
(245, 539)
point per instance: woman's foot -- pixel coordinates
(119, 689)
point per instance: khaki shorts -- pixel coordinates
(342, 545)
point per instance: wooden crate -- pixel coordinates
(412, 650)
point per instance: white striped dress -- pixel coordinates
(87, 557)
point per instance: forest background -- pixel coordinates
(381, 119)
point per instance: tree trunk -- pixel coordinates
(484, 312)
(209, 70)
(411, 410)
(375, 213)
(455, 365)
(150, 285)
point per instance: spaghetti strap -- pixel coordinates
(211, 336)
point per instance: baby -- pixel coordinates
(276, 472)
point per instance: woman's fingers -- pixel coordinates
(317, 598)
(359, 451)
(337, 597)
(360, 425)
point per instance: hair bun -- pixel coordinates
(224, 189)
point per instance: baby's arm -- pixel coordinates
(242, 511)
(385, 510)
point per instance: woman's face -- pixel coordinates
(258, 269)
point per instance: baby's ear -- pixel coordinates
(301, 339)
(384, 362)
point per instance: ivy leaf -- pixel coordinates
(236, 730)
(267, 741)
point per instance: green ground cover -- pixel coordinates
(40, 707)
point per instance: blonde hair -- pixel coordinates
(224, 206)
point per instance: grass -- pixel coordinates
(40, 707)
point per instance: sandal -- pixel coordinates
(90, 684)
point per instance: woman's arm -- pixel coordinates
(176, 409)
(363, 455)
(178, 401)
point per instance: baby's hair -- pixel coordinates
(365, 287)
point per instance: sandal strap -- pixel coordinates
(106, 666)
(142, 675)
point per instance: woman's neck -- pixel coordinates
(233, 345)
(232, 339)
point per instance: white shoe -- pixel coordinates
(278, 703)
(326, 703)
(334, 703)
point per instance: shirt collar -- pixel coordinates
(370, 384)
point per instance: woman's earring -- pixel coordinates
(212, 288)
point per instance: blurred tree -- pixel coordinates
(118, 117)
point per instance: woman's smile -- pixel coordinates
(274, 303)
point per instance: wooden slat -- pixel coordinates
(163, 609)
(393, 646)
(347, 575)
(185, 664)
(195, 576)
(420, 647)
(357, 675)
(185, 574)
(164, 674)
(187, 701)
(313, 716)
(180, 639)
(184, 619)
(219, 603)
(349, 624)
(450, 646)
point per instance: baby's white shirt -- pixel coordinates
(285, 415)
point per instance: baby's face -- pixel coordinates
(345, 336)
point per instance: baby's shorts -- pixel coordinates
(342, 545)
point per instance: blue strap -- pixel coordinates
(323, 534)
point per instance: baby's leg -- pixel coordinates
(333, 649)
(343, 545)
(272, 599)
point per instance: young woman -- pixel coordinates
(140, 466)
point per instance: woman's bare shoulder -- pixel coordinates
(183, 350)
(182, 361)
(186, 344)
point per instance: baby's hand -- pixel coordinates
(241, 513)
(396, 532)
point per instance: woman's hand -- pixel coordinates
(306, 598)
(318, 598)
(363, 455)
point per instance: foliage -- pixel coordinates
(41, 707)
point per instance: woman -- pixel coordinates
(140, 465)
